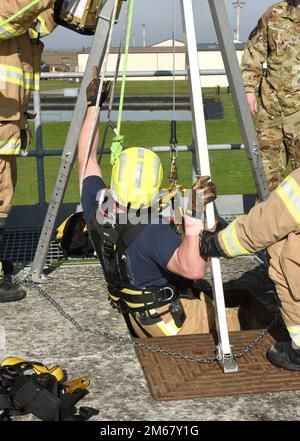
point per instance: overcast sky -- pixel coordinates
(156, 15)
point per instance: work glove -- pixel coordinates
(203, 192)
(209, 245)
(93, 87)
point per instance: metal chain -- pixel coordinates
(120, 339)
(256, 339)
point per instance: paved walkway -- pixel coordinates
(35, 330)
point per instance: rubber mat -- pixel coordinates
(172, 379)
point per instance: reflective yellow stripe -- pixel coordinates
(34, 34)
(232, 244)
(11, 80)
(168, 328)
(14, 75)
(8, 31)
(10, 68)
(32, 81)
(41, 27)
(294, 332)
(10, 146)
(289, 192)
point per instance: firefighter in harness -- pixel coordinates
(146, 263)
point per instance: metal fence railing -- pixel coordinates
(134, 74)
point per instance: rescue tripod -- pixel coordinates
(200, 153)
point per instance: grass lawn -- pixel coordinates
(230, 169)
(58, 84)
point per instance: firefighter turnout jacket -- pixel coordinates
(273, 225)
(22, 23)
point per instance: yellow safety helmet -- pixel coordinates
(136, 178)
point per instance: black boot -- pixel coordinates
(282, 355)
(10, 292)
(7, 267)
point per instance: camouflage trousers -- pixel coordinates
(279, 142)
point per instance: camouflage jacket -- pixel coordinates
(275, 45)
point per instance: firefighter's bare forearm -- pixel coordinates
(189, 259)
(186, 260)
(92, 168)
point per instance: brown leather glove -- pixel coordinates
(93, 87)
(203, 192)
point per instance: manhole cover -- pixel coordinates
(172, 379)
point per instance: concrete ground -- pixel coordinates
(35, 330)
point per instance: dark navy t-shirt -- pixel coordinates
(149, 253)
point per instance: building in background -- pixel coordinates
(60, 61)
(159, 57)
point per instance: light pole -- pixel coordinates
(238, 5)
(144, 35)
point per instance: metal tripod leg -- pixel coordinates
(224, 352)
(68, 155)
(225, 38)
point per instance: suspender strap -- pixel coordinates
(127, 233)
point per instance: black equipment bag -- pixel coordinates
(73, 237)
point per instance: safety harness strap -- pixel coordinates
(155, 297)
(26, 395)
(111, 243)
(128, 232)
(5, 401)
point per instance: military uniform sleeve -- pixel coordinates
(255, 54)
(20, 22)
(267, 222)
